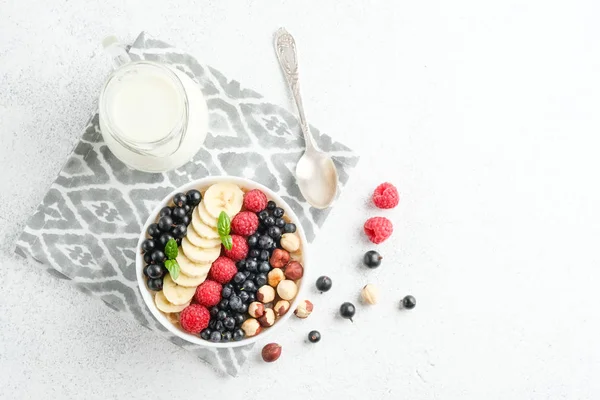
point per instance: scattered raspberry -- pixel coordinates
(222, 270)
(208, 293)
(255, 201)
(194, 318)
(244, 223)
(378, 229)
(239, 250)
(386, 196)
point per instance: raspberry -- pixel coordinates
(386, 196)
(208, 293)
(255, 201)
(222, 270)
(245, 223)
(194, 318)
(239, 250)
(378, 229)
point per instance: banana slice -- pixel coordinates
(189, 281)
(199, 241)
(191, 268)
(167, 307)
(175, 294)
(201, 228)
(198, 254)
(205, 216)
(223, 197)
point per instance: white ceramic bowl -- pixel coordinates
(202, 185)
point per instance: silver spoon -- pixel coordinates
(315, 172)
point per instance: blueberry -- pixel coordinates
(324, 283)
(274, 232)
(212, 324)
(235, 303)
(163, 239)
(244, 296)
(229, 323)
(178, 214)
(251, 297)
(158, 256)
(193, 197)
(164, 223)
(289, 228)
(271, 205)
(409, 302)
(155, 271)
(265, 242)
(239, 277)
(252, 253)
(249, 286)
(264, 255)
(148, 258)
(153, 230)
(186, 220)
(239, 319)
(226, 336)
(214, 311)
(251, 265)
(219, 326)
(238, 334)
(280, 223)
(244, 308)
(165, 212)
(205, 334)
(155, 285)
(264, 267)
(260, 280)
(252, 240)
(241, 265)
(314, 336)
(215, 336)
(278, 212)
(221, 315)
(223, 304)
(347, 310)
(263, 215)
(372, 259)
(226, 292)
(179, 231)
(180, 199)
(250, 276)
(269, 221)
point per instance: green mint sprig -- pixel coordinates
(171, 251)
(224, 229)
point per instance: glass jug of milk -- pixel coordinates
(153, 117)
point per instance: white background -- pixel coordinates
(483, 113)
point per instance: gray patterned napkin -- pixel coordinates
(88, 224)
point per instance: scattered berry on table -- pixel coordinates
(194, 318)
(409, 302)
(314, 336)
(239, 249)
(378, 229)
(347, 310)
(179, 231)
(255, 201)
(222, 270)
(158, 256)
(386, 196)
(289, 228)
(208, 293)
(278, 212)
(165, 212)
(155, 285)
(244, 223)
(155, 271)
(164, 223)
(324, 283)
(193, 197)
(271, 352)
(153, 230)
(238, 334)
(271, 205)
(215, 336)
(180, 199)
(205, 334)
(372, 259)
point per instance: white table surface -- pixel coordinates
(484, 114)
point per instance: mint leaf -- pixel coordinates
(171, 249)
(173, 268)
(223, 225)
(227, 242)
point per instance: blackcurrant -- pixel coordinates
(155, 271)
(193, 197)
(250, 276)
(274, 232)
(145, 270)
(314, 336)
(260, 280)
(158, 256)
(409, 302)
(148, 258)
(215, 336)
(186, 220)
(278, 212)
(179, 231)
(180, 199)
(178, 214)
(372, 259)
(264, 267)
(165, 212)
(347, 310)
(205, 334)
(324, 283)
(188, 209)
(271, 205)
(148, 245)
(164, 223)
(238, 334)
(155, 285)
(153, 230)
(163, 239)
(289, 228)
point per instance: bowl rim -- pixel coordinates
(147, 295)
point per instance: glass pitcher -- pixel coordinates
(153, 117)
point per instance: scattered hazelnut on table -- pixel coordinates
(265, 294)
(268, 319)
(279, 258)
(271, 352)
(287, 289)
(294, 270)
(251, 327)
(304, 309)
(256, 309)
(275, 276)
(290, 242)
(370, 294)
(281, 307)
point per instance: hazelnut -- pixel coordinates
(294, 270)
(271, 352)
(287, 289)
(256, 309)
(275, 276)
(268, 319)
(370, 294)
(290, 242)
(265, 294)
(251, 327)
(281, 307)
(279, 258)
(304, 309)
